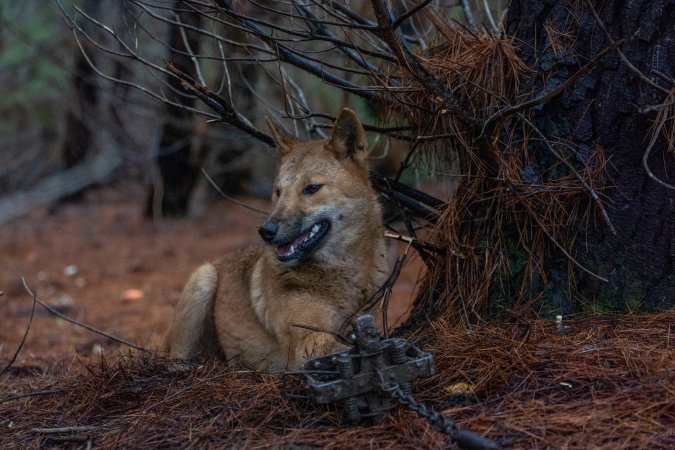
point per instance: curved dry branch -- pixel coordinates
(411, 63)
(286, 54)
(25, 335)
(81, 324)
(488, 126)
(224, 108)
(591, 191)
(623, 57)
(645, 157)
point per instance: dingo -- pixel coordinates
(324, 258)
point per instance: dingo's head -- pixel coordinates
(322, 198)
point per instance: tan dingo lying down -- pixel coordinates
(324, 258)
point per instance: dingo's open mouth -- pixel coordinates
(304, 244)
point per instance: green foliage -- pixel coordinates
(33, 82)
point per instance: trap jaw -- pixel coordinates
(364, 375)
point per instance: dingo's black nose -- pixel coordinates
(268, 230)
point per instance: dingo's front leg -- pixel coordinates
(192, 333)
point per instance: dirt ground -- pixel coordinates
(100, 262)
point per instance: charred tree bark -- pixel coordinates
(603, 110)
(178, 161)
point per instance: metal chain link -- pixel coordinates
(464, 439)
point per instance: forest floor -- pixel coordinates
(596, 382)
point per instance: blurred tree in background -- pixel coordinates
(34, 73)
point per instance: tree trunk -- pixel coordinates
(603, 110)
(178, 161)
(79, 138)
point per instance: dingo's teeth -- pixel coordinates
(312, 233)
(302, 244)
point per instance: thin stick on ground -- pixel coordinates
(10, 398)
(25, 334)
(81, 324)
(58, 430)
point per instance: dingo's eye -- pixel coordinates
(277, 192)
(311, 189)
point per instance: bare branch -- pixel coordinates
(581, 179)
(411, 63)
(504, 113)
(81, 324)
(468, 14)
(224, 108)
(645, 158)
(625, 60)
(352, 52)
(403, 17)
(25, 335)
(491, 19)
(193, 58)
(230, 199)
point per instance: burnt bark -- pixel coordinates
(603, 111)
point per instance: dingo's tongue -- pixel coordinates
(290, 248)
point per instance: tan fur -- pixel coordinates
(245, 304)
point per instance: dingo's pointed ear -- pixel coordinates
(283, 140)
(348, 139)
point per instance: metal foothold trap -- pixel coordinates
(358, 375)
(375, 375)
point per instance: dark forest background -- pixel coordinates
(544, 130)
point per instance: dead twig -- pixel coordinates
(388, 288)
(81, 324)
(25, 334)
(576, 173)
(645, 157)
(625, 60)
(219, 104)
(468, 14)
(489, 124)
(230, 199)
(418, 245)
(10, 398)
(59, 430)
(412, 11)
